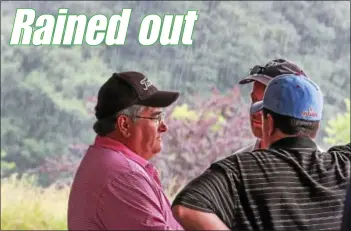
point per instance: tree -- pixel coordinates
(5, 165)
(338, 128)
(44, 88)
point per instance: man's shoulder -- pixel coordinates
(251, 147)
(252, 154)
(340, 151)
(245, 155)
(247, 148)
(341, 148)
(115, 162)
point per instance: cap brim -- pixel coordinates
(160, 99)
(264, 79)
(256, 107)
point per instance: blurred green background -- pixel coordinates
(47, 92)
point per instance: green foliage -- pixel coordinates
(5, 165)
(25, 206)
(28, 207)
(183, 112)
(219, 126)
(44, 88)
(338, 129)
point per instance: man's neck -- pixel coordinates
(278, 135)
(126, 143)
(261, 145)
(117, 137)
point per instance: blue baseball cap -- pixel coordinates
(292, 95)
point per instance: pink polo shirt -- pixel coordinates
(115, 189)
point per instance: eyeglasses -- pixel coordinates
(256, 70)
(158, 119)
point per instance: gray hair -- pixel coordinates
(102, 127)
(131, 111)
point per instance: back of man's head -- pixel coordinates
(295, 104)
(273, 68)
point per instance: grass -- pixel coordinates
(27, 207)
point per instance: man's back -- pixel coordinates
(94, 178)
(291, 189)
(291, 186)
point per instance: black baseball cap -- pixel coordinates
(264, 74)
(125, 89)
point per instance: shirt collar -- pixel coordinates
(117, 146)
(294, 142)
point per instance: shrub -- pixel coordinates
(5, 165)
(338, 128)
(25, 206)
(201, 133)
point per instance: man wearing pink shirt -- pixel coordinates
(115, 186)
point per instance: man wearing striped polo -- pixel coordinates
(260, 76)
(291, 185)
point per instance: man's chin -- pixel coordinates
(157, 149)
(257, 132)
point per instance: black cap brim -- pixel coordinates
(160, 99)
(264, 79)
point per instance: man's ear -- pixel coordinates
(271, 127)
(123, 124)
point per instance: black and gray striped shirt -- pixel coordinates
(291, 186)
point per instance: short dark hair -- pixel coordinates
(291, 126)
(105, 126)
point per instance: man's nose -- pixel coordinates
(163, 127)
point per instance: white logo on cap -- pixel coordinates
(147, 83)
(272, 63)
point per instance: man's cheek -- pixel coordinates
(256, 119)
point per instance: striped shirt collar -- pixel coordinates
(294, 142)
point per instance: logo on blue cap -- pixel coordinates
(292, 95)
